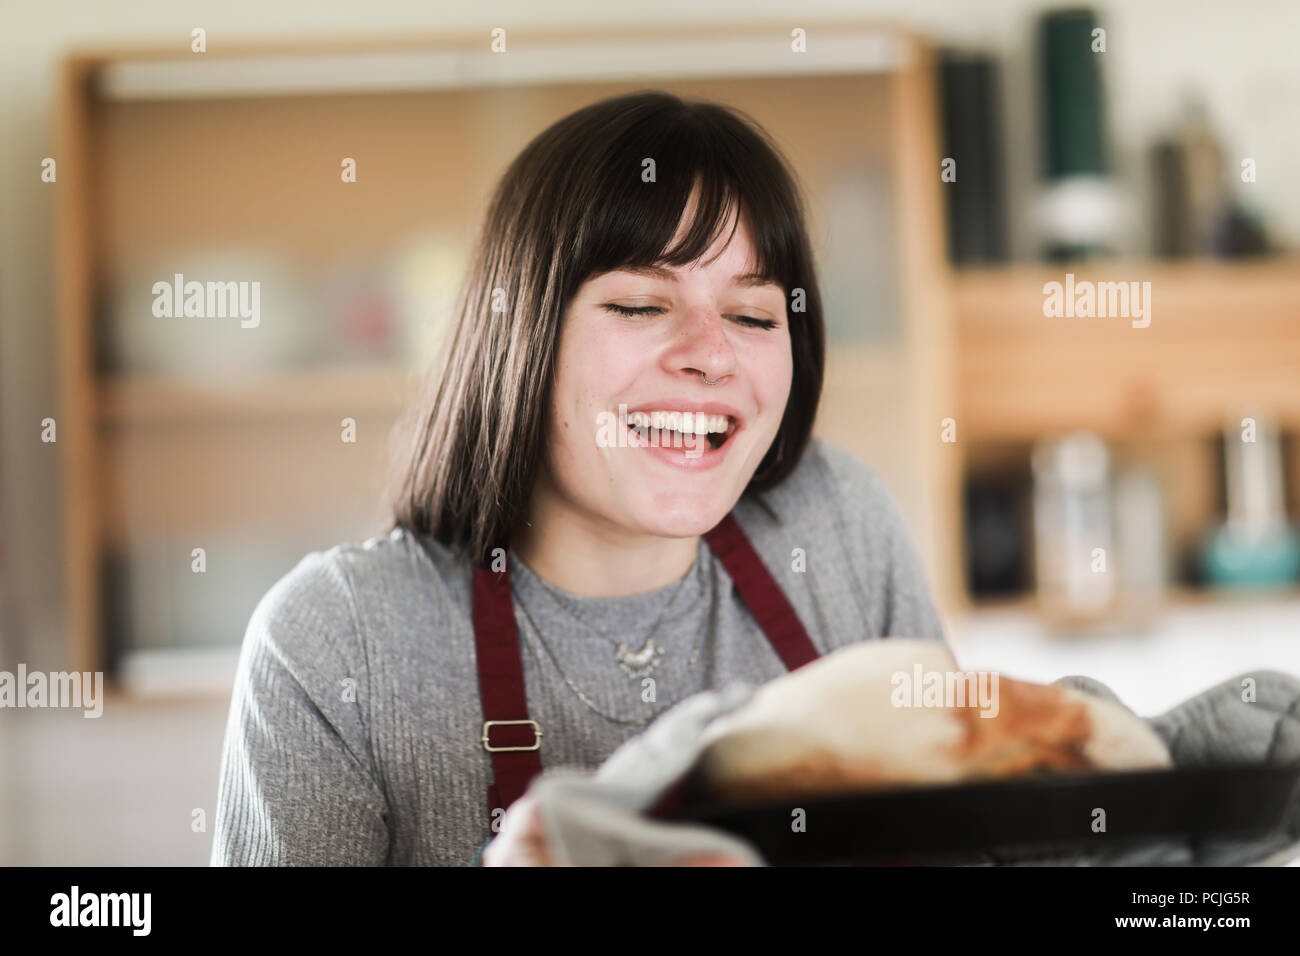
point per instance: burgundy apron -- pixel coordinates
(513, 739)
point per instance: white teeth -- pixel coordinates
(697, 423)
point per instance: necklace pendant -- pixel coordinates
(639, 663)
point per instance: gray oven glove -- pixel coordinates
(1217, 726)
(598, 819)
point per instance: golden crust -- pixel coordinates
(1037, 728)
(767, 755)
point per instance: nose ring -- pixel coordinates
(706, 379)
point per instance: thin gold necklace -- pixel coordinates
(636, 664)
(638, 721)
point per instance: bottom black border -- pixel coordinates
(570, 906)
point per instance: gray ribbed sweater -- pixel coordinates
(353, 735)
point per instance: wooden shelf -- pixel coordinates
(1176, 595)
(1223, 342)
(1221, 335)
(308, 392)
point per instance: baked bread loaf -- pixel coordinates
(898, 712)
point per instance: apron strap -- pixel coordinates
(508, 734)
(761, 594)
(513, 739)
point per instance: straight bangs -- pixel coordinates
(689, 165)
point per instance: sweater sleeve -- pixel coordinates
(298, 785)
(909, 609)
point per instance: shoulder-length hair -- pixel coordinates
(572, 205)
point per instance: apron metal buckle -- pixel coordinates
(488, 724)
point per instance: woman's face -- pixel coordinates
(638, 441)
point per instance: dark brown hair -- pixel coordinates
(573, 205)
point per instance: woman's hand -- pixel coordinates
(522, 841)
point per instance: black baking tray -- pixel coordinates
(1016, 816)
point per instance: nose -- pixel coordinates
(701, 346)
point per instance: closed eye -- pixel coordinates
(752, 321)
(633, 310)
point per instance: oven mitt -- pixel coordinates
(1251, 718)
(597, 819)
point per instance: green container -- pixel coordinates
(1072, 96)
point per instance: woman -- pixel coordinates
(636, 364)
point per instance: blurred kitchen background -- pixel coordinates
(1088, 495)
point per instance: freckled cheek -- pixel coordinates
(573, 409)
(619, 360)
(573, 382)
(596, 358)
(772, 372)
(609, 372)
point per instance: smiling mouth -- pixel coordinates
(681, 429)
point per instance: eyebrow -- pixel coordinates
(746, 279)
